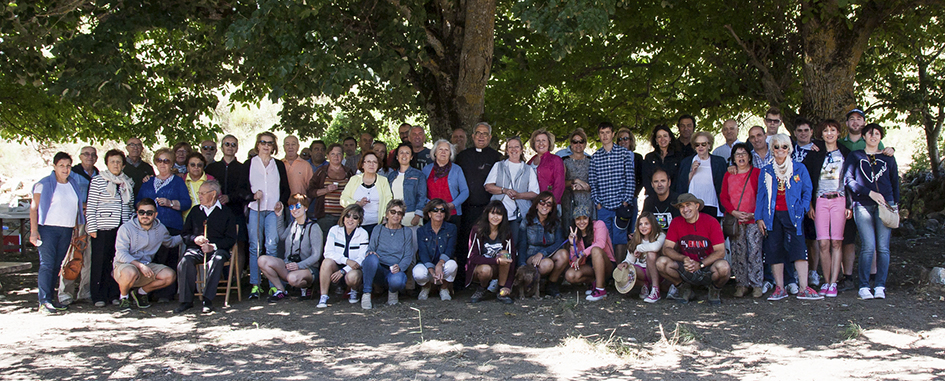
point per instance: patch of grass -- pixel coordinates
(851, 331)
(616, 346)
(683, 334)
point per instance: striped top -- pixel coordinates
(333, 199)
(104, 211)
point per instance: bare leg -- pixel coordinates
(560, 259)
(324, 275)
(163, 279)
(777, 270)
(836, 256)
(826, 260)
(651, 269)
(801, 267)
(274, 270)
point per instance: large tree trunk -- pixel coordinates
(452, 84)
(933, 130)
(832, 50)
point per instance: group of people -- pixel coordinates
(356, 217)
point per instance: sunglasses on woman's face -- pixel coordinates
(438, 210)
(781, 147)
(162, 161)
(353, 217)
(577, 142)
(701, 144)
(545, 202)
(397, 212)
(295, 206)
(148, 213)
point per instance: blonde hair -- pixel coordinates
(540, 131)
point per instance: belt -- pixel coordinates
(830, 196)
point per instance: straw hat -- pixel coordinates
(624, 279)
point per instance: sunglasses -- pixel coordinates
(305, 155)
(545, 202)
(149, 213)
(209, 148)
(578, 142)
(781, 147)
(195, 165)
(775, 121)
(438, 210)
(228, 144)
(266, 142)
(353, 217)
(623, 139)
(162, 161)
(703, 144)
(295, 206)
(397, 212)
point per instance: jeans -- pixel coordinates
(52, 252)
(270, 235)
(103, 285)
(374, 272)
(617, 236)
(874, 237)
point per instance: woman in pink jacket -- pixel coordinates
(592, 254)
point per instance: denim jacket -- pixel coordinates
(434, 247)
(538, 240)
(797, 196)
(415, 189)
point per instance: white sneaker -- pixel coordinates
(792, 288)
(424, 293)
(767, 286)
(644, 291)
(672, 294)
(879, 293)
(366, 301)
(493, 286)
(353, 297)
(865, 293)
(392, 298)
(322, 301)
(813, 278)
(445, 294)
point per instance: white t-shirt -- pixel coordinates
(514, 169)
(830, 174)
(397, 187)
(373, 206)
(64, 206)
(702, 185)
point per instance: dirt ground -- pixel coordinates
(902, 337)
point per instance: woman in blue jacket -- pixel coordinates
(446, 180)
(784, 192)
(872, 182)
(436, 242)
(409, 184)
(544, 241)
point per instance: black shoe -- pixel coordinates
(847, 284)
(254, 292)
(307, 294)
(477, 296)
(124, 305)
(183, 307)
(140, 300)
(278, 296)
(207, 307)
(59, 306)
(48, 307)
(504, 299)
(552, 290)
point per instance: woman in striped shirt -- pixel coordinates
(110, 204)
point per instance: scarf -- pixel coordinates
(158, 183)
(441, 172)
(121, 183)
(784, 171)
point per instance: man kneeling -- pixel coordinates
(693, 251)
(135, 245)
(209, 232)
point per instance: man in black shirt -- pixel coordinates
(661, 203)
(135, 168)
(421, 154)
(476, 163)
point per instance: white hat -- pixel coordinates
(624, 279)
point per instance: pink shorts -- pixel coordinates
(830, 218)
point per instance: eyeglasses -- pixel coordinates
(148, 213)
(623, 139)
(87, 154)
(741, 154)
(781, 147)
(162, 161)
(578, 142)
(266, 142)
(438, 210)
(701, 144)
(773, 121)
(397, 212)
(295, 206)
(545, 202)
(134, 145)
(209, 148)
(228, 144)
(195, 165)
(353, 216)
(305, 155)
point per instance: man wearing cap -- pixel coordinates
(856, 120)
(613, 185)
(693, 251)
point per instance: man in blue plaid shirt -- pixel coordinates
(612, 184)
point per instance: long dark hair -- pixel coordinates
(484, 227)
(673, 143)
(551, 222)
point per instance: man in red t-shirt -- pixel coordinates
(693, 251)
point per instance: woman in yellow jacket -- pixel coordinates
(368, 190)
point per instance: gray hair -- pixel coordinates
(228, 136)
(437, 145)
(213, 185)
(782, 139)
(483, 124)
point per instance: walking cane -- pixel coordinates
(206, 271)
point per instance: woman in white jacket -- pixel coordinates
(345, 248)
(644, 248)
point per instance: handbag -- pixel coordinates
(77, 248)
(729, 222)
(888, 214)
